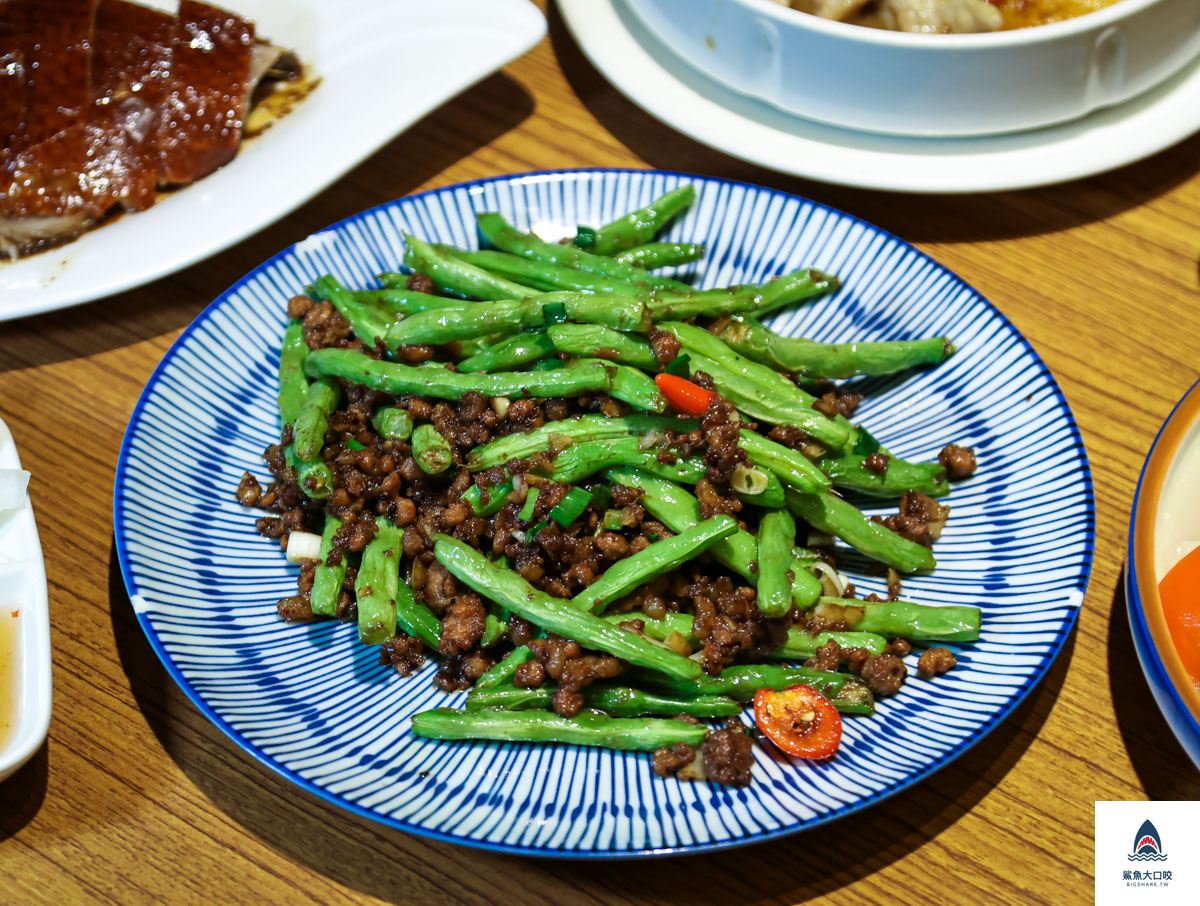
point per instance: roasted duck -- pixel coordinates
(103, 103)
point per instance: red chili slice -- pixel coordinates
(799, 720)
(688, 398)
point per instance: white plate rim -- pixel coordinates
(36, 687)
(690, 102)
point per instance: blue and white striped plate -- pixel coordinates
(316, 706)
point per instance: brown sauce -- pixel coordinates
(1024, 13)
(10, 659)
(1016, 13)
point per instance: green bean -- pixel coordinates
(543, 276)
(602, 342)
(586, 729)
(431, 451)
(509, 316)
(906, 620)
(507, 588)
(832, 361)
(398, 379)
(750, 300)
(445, 325)
(293, 385)
(776, 535)
(368, 323)
(661, 557)
(637, 226)
(756, 389)
(587, 427)
(584, 458)
(707, 303)
(834, 516)
(494, 630)
(848, 694)
(392, 423)
(313, 421)
(457, 277)
(504, 237)
(629, 385)
(794, 469)
(315, 478)
(677, 509)
(848, 470)
(377, 585)
(799, 643)
(778, 406)
(616, 701)
(511, 353)
(327, 580)
(497, 496)
(661, 254)
(416, 619)
(399, 302)
(501, 672)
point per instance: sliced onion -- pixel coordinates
(559, 442)
(303, 546)
(500, 405)
(833, 583)
(678, 643)
(652, 438)
(520, 485)
(693, 770)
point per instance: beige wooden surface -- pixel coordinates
(136, 798)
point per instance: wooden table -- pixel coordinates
(137, 798)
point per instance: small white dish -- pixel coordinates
(383, 65)
(650, 75)
(930, 85)
(23, 590)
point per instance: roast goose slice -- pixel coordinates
(103, 102)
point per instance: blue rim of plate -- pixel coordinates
(1038, 670)
(1166, 695)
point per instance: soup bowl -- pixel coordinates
(930, 85)
(1164, 526)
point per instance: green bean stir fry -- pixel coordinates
(610, 503)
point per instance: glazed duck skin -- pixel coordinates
(111, 101)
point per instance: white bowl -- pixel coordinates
(931, 85)
(23, 590)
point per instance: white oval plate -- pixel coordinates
(383, 65)
(650, 74)
(316, 706)
(23, 591)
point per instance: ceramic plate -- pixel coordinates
(315, 705)
(383, 64)
(653, 77)
(23, 599)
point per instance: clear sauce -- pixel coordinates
(10, 659)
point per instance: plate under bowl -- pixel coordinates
(314, 704)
